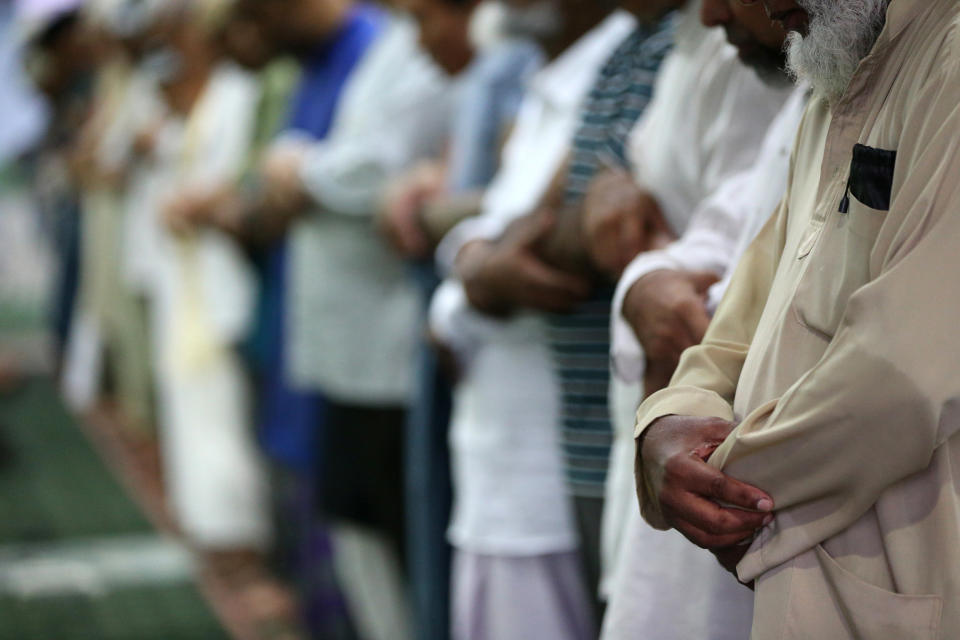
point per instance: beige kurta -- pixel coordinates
(836, 347)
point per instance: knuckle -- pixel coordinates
(718, 486)
(713, 526)
(684, 307)
(723, 523)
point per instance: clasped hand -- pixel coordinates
(708, 507)
(508, 274)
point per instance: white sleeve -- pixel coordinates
(458, 325)
(709, 244)
(394, 112)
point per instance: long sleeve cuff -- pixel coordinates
(477, 228)
(455, 323)
(683, 401)
(686, 401)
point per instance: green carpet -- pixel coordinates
(56, 497)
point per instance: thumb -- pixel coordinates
(702, 280)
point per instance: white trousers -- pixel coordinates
(659, 585)
(520, 598)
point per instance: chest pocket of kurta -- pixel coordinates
(840, 261)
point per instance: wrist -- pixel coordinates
(646, 492)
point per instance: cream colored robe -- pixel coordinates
(836, 348)
(202, 300)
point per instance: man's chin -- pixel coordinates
(769, 67)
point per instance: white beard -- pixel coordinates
(841, 34)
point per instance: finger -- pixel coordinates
(657, 375)
(713, 518)
(409, 240)
(391, 234)
(702, 280)
(715, 429)
(678, 340)
(551, 302)
(416, 245)
(707, 540)
(695, 318)
(679, 505)
(542, 276)
(704, 480)
(551, 299)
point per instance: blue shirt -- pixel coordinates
(289, 418)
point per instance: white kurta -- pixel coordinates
(701, 134)
(202, 301)
(717, 234)
(667, 585)
(354, 312)
(510, 493)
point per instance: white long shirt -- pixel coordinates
(202, 301)
(545, 126)
(655, 571)
(707, 123)
(354, 312)
(717, 234)
(510, 495)
(707, 120)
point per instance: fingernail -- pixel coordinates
(764, 504)
(768, 520)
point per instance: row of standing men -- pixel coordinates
(395, 278)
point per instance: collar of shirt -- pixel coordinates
(859, 103)
(362, 17)
(560, 82)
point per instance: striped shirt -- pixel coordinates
(580, 342)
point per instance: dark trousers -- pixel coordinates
(361, 473)
(589, 515)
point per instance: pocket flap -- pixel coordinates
(871, 176)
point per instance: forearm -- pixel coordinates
(827, 449)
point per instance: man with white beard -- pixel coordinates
(821, 407)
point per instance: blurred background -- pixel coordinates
(157, 466)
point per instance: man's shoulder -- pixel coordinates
(933, 44)
(950, 49)
(508, 61)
